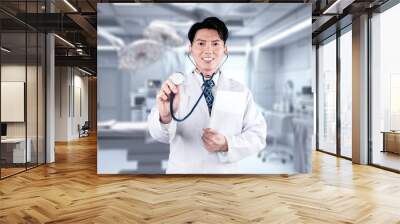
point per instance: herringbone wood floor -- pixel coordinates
(70, 191)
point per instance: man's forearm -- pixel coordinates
(165, 119)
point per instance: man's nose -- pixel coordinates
(208, 47)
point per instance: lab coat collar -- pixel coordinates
(219, 80)
(215, 77)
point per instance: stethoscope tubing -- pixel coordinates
(172, 95)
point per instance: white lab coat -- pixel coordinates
(234, 114)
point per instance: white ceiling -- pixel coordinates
(244, 20)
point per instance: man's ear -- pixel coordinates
(190, 48)
(226, 50)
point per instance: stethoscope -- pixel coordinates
(179, 80)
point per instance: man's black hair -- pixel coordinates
(209, 23)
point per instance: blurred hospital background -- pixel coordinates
(270, 51)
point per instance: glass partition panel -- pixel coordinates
(14, 154)
(31, 100)
(41, 98)
(346, 94)
(385, 87)
(22, 87)
(327, 96)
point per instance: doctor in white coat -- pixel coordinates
(224, 127)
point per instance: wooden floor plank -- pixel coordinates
(70, 191)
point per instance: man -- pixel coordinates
(225, 126)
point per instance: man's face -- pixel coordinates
(207, 50)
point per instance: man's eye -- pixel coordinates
(216, 44)
(201, 43)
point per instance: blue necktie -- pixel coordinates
(208, 84)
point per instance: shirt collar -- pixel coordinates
(215, 77)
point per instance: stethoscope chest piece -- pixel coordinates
(177, 78)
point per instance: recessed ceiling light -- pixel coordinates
(337, 7)
(71, 6)
(5, 50)
(84, 71)
(64, 40)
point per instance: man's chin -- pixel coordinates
(210, 68)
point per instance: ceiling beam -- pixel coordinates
(82, 61)
(86, 26)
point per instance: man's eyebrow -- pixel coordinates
(205, 40)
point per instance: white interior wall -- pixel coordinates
(69, 82)
(61, 103)
(274, 66)
(80, 109)
(12, 73)
(263, 77)
(33, 126)
(295, 64)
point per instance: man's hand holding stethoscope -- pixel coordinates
(212, 140)
(163, 101)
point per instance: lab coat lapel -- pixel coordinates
(221, 86)
(221, 82)
(194, 91)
